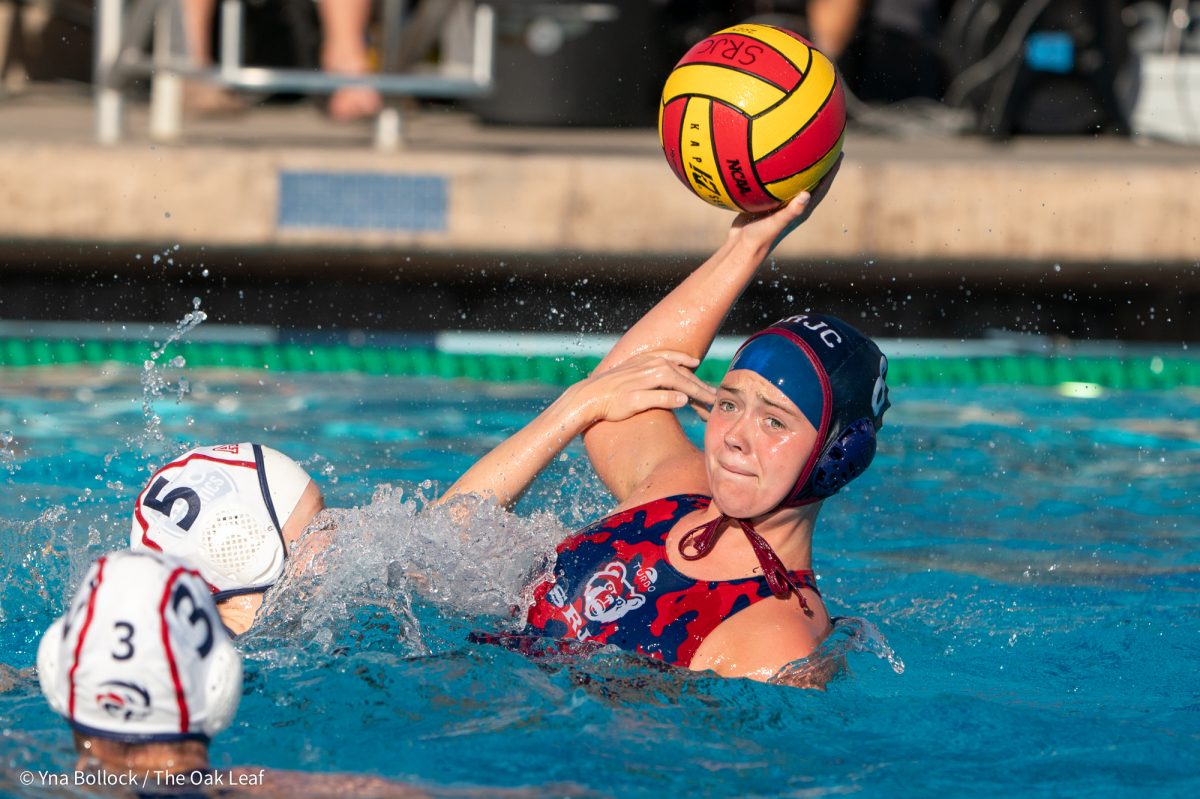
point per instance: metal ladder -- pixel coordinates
(466, 30)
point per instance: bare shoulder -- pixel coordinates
(259, 783)
(681, 474)
(264, 783)
(763, 638)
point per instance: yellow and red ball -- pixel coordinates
(752, 116)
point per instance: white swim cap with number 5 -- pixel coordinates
(222, 509)
(140, 654)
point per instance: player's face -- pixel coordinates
(310, 504)
(755, 444)
(307, 541)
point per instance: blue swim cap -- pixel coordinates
(836, 376)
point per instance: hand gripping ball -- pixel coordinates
(752, 116)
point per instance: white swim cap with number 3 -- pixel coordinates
(140, 654)
(222, 509)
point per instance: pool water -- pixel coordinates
(1020, 571)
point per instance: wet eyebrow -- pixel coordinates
(766, 400)
(773, 404)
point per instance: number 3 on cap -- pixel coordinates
(197, 616)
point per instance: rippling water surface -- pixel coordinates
(1019, 572)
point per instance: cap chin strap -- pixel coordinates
(701, 540)
(261, 470)
(221, 596)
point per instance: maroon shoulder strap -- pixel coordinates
(781, 582)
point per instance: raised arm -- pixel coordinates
(626, 453)
(652, 380)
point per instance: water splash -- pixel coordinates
(474, 558)
(8, 453)
(41, 558)
(850, 635)
(318, 464)
(155, 382)
(468, 557)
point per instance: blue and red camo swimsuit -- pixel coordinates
(614, 585)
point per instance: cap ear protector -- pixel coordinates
(223, 688)
(49, 670)
(844, 459)
(222, 509)
(836, 377)
(141, 654)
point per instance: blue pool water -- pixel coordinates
(1032, 560)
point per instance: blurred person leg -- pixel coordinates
(200, 97)
(895, 52)
(197, 27)
(833, 24)
(344, 51)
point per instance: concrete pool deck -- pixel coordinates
(285, 178)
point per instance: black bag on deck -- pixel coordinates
(1038, 66)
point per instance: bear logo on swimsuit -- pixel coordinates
(609, 594)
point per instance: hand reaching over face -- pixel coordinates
(661, 379)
